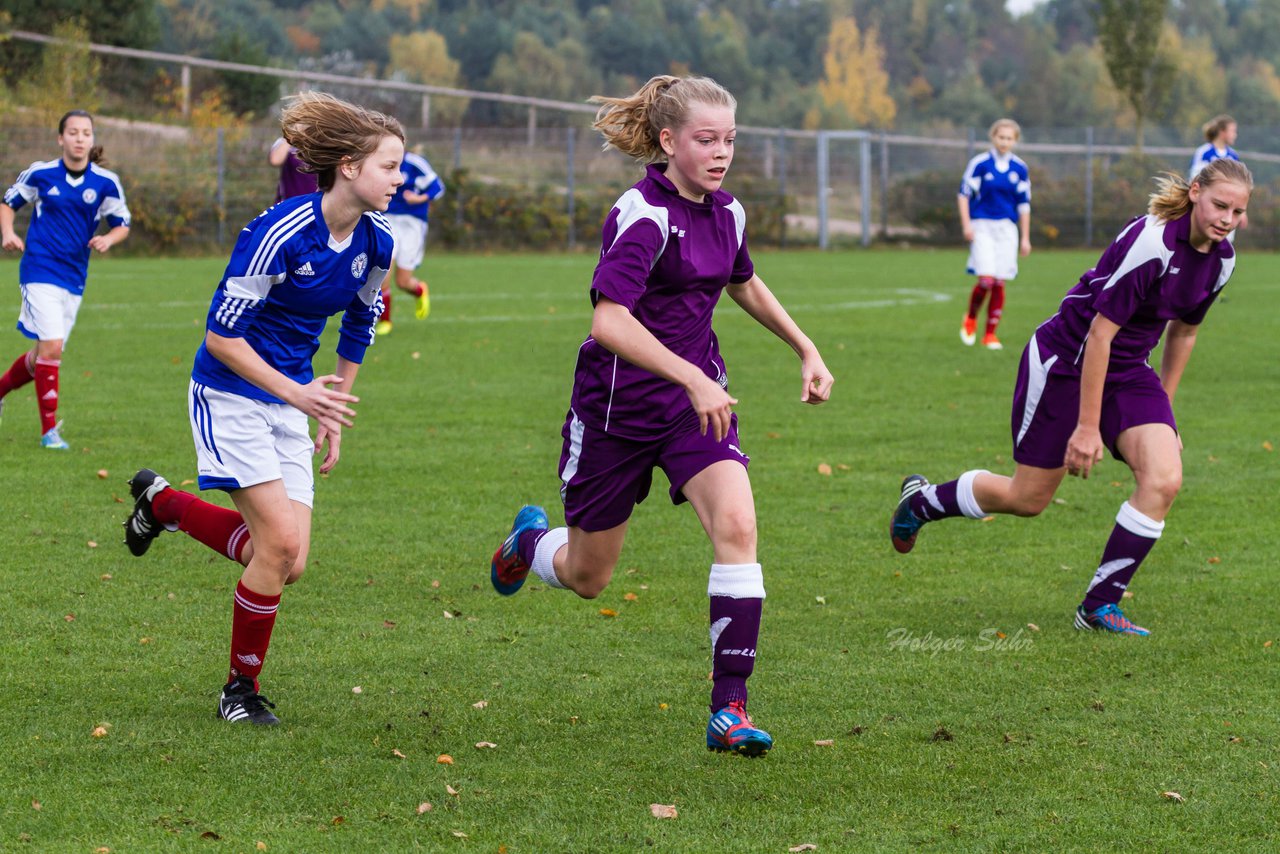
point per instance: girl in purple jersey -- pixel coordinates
(650, 389)
(253, 387)
(1084, 382)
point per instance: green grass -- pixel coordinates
(1056, 740)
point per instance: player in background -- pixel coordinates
(1220, 135)
(253, 386)
(1084, 383)
(295, 180)
(995, 216)
(72, 195)
(408, 217)
(650, 388)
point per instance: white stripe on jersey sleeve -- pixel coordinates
(276, 235)
(380, 220)
(23, 188)
(971, 182)
(112, 205)
(633, 208)
(252, 288)
(1148, 246)
(739, 219)
(1228, 267)
(373, 287)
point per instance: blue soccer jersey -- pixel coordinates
(419, 178)
(996, 187)
(286, 278)
(1208, 153)
(68, 208)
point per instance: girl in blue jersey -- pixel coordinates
(253, 387)
(995, 216)
(1220, 135)
(650, 389)
(408, 214)
(72, 196)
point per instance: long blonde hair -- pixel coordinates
(632, 125)
(328, 132)
(1172, 197)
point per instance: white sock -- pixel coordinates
(544, 554)
(964, 494)
(736, 580)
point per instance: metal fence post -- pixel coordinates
(884, 186)
(458, 218)
(782, 183)
(864, 179)
(533, 125)
(824, 178)
(222, 187)
(186, 91)
(569, 186)
(1088, 186)
(426, 111)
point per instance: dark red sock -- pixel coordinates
(252, 618)
(220, 529)
(386, 304)
(980, 291)
(419, 289)
(18, 375)
(47, 392)
(996, 307)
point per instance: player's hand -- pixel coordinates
(817, 380)
(968, 233)
(1025, 248)
(713, 405)
(13, 243)
(100, 242)
(1084, 450)
(331, 433)
(326, 404)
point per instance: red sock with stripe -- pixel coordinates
(220, 529)
(979, 295)
(18, 375)
(995, 308)
(252, 618)
(386, 304)
(47, 392)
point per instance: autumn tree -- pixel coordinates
(854, 89)
(423, 57)
(1129, 32)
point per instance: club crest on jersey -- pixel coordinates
(90, 195)
(359, 264)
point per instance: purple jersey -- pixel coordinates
(665, 259)
(1147, 277)
(293, 180)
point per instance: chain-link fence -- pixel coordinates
(549, 188)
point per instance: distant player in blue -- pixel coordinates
(253, 387)
(1085, 383)
(72, 195)
(408, 217)
(651, 391)
(995, 216)
(1220, 135)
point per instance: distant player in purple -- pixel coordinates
(650, 388)
(70, 198)
(295, 178)
(1084, 382)
(995, 216)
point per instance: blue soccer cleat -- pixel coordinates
(905, 524)
(53, 440)
(508, 570)
(731, 730)
(1108, 618)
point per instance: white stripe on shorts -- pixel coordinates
(1037, 376)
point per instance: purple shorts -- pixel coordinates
(605, 476)
(1046, 406)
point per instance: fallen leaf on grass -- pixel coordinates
(1267, 645)
(662, 707)
(483, 745)
(824, 469)
(397, 754)
(187, 482)
(416, 354)
(806, 846)
(35, 805)
(106, 576)
(1215, 559)
(448, 615)
(825, 742)
(423, 807)
(630, 597)
(480, 705)
(943, 734)
(260, 845)
(451, 790)
(388, 624)
(70, 618)
(663, 810)
(337, 820)
(1266, 446)
(209, 834)
(1033, 627)
(1235, 739)
(1173, 796)
(608, 612)
(99, 732)
(1128, 594)
(356, 689)
(435, 583)
(102, 849)
(821, 600)
(460, 834)
(92, 544)
(103, 474)
(444, 759)
(844, 467)
(144, 641)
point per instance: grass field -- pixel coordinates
(1037, 738)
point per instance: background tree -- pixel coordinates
(854, 88)
(1129, 36)
(423, 57)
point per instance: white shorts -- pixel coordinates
(243, 442)
(994, 250)
(411, 240)
(48, 312)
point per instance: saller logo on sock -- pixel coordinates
(749, 653)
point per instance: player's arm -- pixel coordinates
(279, 153)
(103, 242)
(758, 301)
(8, 237)
(1179, 340)
(415, 198)
(1024, 230)
(1084, 448)
(966, 225)
(329, 432)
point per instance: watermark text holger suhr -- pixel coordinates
(903, 639)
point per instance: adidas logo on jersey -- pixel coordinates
(305, 270)
(53, 191)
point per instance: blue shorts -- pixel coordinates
(1046, 406)
(604, 476)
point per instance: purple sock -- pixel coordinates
(936, 502)
(1131, 540)
(735, 628)
(528, 543)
